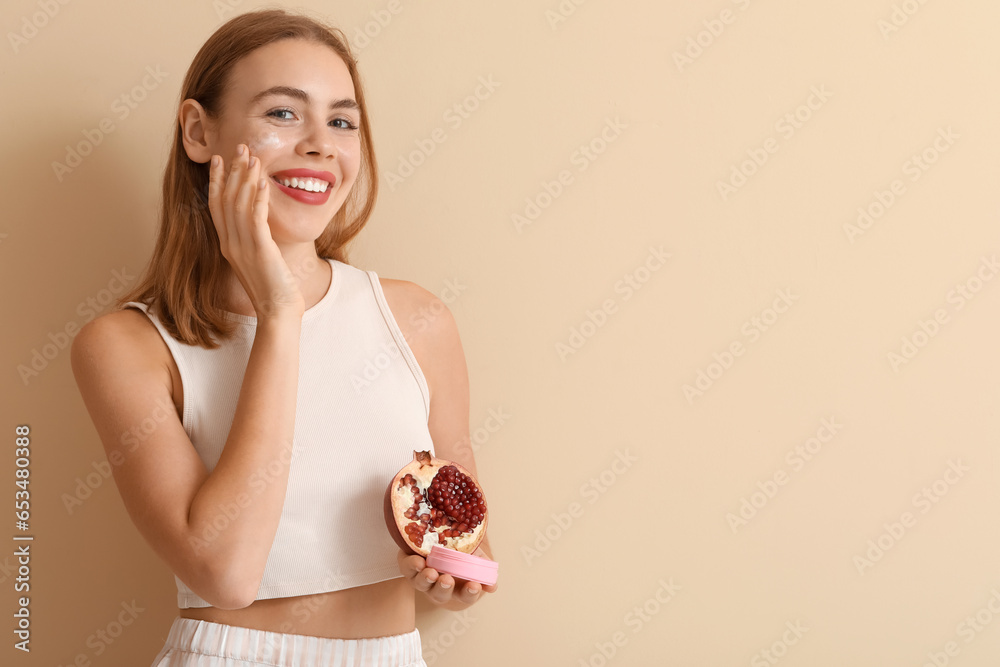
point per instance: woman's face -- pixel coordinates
(292, 102)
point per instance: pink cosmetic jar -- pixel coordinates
(463, 565)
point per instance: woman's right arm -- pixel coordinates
(215, 530)
(121, 367)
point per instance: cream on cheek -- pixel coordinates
(269, 141)
(266, 142)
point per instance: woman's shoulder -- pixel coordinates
(121, 324)
(127, 333)
(428, 326)
(415, 309)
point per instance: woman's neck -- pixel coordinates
(314, 276)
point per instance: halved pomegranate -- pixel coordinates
(435, 502)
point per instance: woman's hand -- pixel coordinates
(238, 204)
(443, 589)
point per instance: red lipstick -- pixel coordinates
(305, 196)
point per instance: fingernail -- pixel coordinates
(253, 162)
(445, 585)
(239, 150)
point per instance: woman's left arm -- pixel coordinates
(432, 334)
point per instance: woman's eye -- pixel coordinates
(345, 124)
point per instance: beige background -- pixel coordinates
(602, 550)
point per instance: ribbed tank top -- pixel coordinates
(362, 408)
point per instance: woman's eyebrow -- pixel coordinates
(299, 94)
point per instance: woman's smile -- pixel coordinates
(305, 185)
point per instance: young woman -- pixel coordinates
(277, 387)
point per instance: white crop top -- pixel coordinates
(363, 407)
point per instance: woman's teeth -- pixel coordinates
(309, 184)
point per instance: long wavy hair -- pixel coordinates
(187, 274)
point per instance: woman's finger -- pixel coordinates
(416, 572)
(443, 589)
(215, 173)
(469, 592)
(243, 206)
(425, 577)
(260, 231)
(230, 193)
(409, 565)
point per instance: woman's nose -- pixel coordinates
(319, 138)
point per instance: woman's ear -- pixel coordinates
(197, 132)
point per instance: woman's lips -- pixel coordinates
(305, 196)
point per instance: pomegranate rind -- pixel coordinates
(398, 500)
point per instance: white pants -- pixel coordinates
(196, 643)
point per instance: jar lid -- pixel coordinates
(463, 565)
